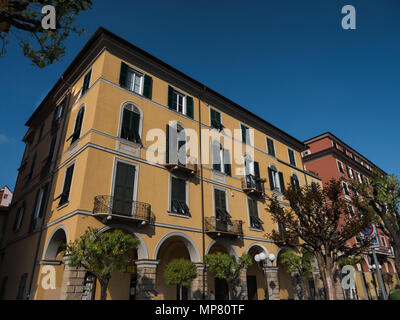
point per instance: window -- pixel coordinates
(276, 179)
(215, 117)
(359, 177)
(180, 102)
(136, 81)
(64, 196)
(271, 147)
(334, 144)
(78, 126)
(19, 218)
(350, 172)
(39, 207)
(178, 197)
(255, 221)
(340, 166)
(252, 172)
(344, 150)
(21, 288)
(124, 186)
(58, 113)
(176, 145)
(30, 174)
(351, 211)
(51, 150)
(86, 82)
(221, 160)
(383, 241)
(245, 134)
(295, 180)
(131, 124)
(292, 159)
(221, 212)
(345, 188)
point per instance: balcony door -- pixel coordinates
(124, 186)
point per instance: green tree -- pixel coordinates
(180, 272)
(300, 264)
(225, 266)
(102, 253)
(382, 198)
(23, 19)
(320, 219)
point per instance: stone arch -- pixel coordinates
(58, 235)
(142, 251)
(189, 243)
(229, 248)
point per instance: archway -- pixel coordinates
(286, 291)
(170, 248)
(256, 285)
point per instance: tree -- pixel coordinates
(382, 198)
(23, 19)
(300, 264)
(102, 253)
(180, 272)
(318, 220)
(225, 266)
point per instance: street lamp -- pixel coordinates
(262, 259)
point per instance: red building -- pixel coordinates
(329, 157)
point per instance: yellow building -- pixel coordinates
(101, 151)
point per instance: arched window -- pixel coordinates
(78, 125)
(295, 180)
(131, 121)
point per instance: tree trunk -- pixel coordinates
(103, 285)
(325, 267)
(230, 291)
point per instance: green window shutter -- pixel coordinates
(123, 76)
(291, 157)
(67, 185)
(86, 82)
(227, 162)
(167, 145)
(189, 106)
(243, 133)
(282, 182)
(171, 98)
(78, 125)
(148, 86)
(216, 160)
(271, 147)
(271, 179)
(256, 169)
(213, 118)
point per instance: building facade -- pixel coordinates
(104, 149)
(331, 158)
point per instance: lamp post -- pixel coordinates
(262, 259)
(376, 266)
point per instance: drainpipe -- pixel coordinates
(202, 201)
(49, 189)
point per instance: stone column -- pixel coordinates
(272, 282)
(241, 287)
(197, 284)
(72, 282)
(146, 279)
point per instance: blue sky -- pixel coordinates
(289, 62)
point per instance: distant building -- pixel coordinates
(330, 157)
(5, 196)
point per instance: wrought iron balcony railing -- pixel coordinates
(226, 227)
(253, 185)
(188, 168)
(111, 207)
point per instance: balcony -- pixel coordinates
(107, 209)
(253, 185)
(227, 228)
(188, 169)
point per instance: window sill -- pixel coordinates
(63, 205)
(174, 214)
(255, 229)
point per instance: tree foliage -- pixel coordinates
(180, 272)
(102, 253)
(382, 198)
(23, 20)
(225, 266)
(318, 220)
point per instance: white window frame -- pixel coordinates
(220, 154)
(176, 92)
(340, 165)
(141, 74)
(248, 214)
(347, 188)
(123, 106)
(275, 178)
(250, 142)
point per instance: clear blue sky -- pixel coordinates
(289, 62)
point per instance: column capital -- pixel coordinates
(147, 263)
